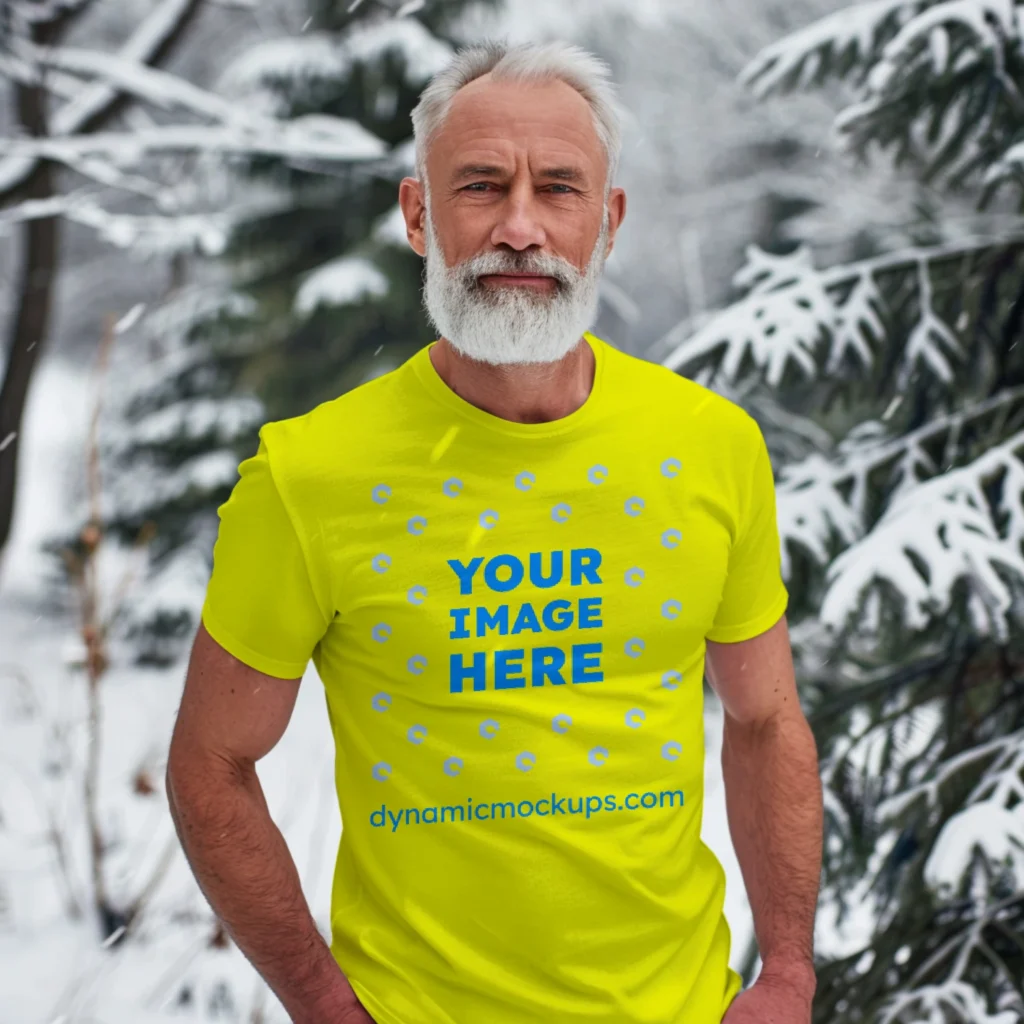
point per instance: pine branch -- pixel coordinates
(936, 80)
(929, 790)
(849, 36)
(793, 311)
(953, 992)
(947, 524)
(1011, 164)
(812, 508)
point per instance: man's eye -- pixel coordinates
(566, 187)
(478, 185)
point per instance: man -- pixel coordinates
(511, 560)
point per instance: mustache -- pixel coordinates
(561, 270)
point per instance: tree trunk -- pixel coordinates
(33, 290)
(34, 285)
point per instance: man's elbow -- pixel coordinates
(195, 777)
(783, 723)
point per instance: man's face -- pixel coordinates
(516, 226)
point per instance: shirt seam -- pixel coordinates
(772, 614)
(253, 658)
(749, 495)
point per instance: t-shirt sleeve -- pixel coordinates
(754, 597)
(261, 603)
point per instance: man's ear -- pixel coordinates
(616, 215)
(414, 209)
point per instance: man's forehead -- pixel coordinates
(499, 116)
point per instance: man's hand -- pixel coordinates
(777, 997)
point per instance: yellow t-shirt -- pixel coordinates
(509, 622)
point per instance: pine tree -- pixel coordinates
(317, 290)
(897, 384)
(335, 280)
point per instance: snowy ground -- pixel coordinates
(53, 967)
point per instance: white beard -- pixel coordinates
(511, 325)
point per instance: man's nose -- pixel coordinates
(518, 223)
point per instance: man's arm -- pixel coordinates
(230, 716)
(773, 797)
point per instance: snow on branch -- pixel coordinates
(788, 317)
(177, 317)
(1011, 164)
(85, 104)
(814, 320)
(852, 33)
(148, 234)
(313, 136)
(952, 1000)
(42, 11)
(812, 508)
(879, 757)
(161, 88)
(929, 336)
(306, 59)
(272, 70)
(340, 282)
(784, 319)
(153, 234)
(390, 228)
(223, 420)
(990, 821)
(140, 48)
(105, 173)
(984, 25)
(933, 536)
(905, 58)
(423, 54)
(241, 130)
(890, 35)
(149, 488)
(896, 805)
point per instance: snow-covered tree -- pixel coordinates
(901, 509)
(335, 282)
(104, 139)
(262, 170)
(315, 290)
(42, 107)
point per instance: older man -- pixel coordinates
(511, 560)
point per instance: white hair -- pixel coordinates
(526, 62)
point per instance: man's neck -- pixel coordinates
(525, 393)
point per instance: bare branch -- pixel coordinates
(146, 44)
(322, 138)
